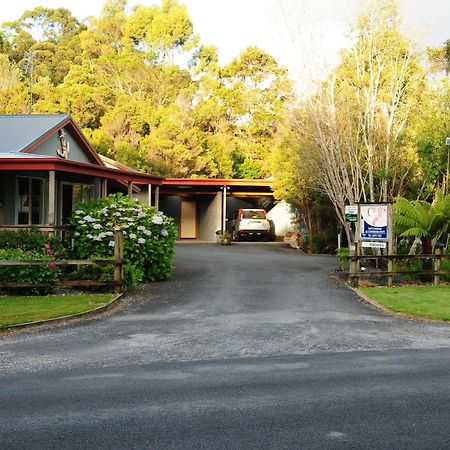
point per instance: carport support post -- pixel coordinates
(224, 209)
(130, 189)
(51, 199)
(149, 195)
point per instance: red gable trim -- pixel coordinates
(21, 164)
(78, 134)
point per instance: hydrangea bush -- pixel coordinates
(148, 236)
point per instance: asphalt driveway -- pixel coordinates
(247, 347)
(243, 300)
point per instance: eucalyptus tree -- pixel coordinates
(354, 130)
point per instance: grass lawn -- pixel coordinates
(425, 301)
(16, 310)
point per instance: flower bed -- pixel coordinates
(149, 236)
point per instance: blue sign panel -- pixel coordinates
(373, 223)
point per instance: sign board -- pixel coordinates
(369, 244)
(373, 222)
(351, 213)
(447, 140)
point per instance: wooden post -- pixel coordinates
(149, 195)
(354, 280)
(104, 188)
(51, 200)
(118, 255)
(130, 189)
(437, 266)
(390, 230)
(157, 197)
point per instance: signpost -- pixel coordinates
(373, 230)
(351, 213)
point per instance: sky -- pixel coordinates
(303, 35)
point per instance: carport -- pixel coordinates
(201, 206)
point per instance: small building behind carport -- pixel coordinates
(201, 206)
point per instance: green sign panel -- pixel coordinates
(351, 217)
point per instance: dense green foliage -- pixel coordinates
(148, 236)
(28, 274)
(144, 91)
(27, 245)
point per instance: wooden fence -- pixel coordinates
(117, 262)
(355, 272)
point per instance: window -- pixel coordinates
(30, 196)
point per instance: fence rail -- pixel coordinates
(356, 273)
(117, 262)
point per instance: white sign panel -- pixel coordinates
(374, 222)
(351, 209)
(369, 244)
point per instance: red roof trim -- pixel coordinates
(214, 182)
(21, 164)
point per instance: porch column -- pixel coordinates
(130, 189)
(224, 209)
(51, 197)
(149, 195)
(104, 188)
(157, 197)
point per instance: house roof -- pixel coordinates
(19, 132)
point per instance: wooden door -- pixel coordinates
(188, 228)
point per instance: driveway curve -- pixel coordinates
(243, 300)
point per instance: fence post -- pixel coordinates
(118, 255)
(354, 280)
(437, 266)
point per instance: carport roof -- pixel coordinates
(205, 186)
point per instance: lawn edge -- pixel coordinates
(91, 312)
(391, 312)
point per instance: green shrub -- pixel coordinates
(324, 241)
(46, 273)
(149, 236)
(31, 240)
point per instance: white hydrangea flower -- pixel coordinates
(141, 228)
(113, 206)
(109, 224)
(109, 233)
(141, 215)
(97, 226)
(81, 221)
(164, 233)
(157, 219)
(133, 236)
(141, 241)
(111, 243)
(147, 232)
(89, 218)
(89, 236)
(79, 211)
(97, 238)
(117, 214)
